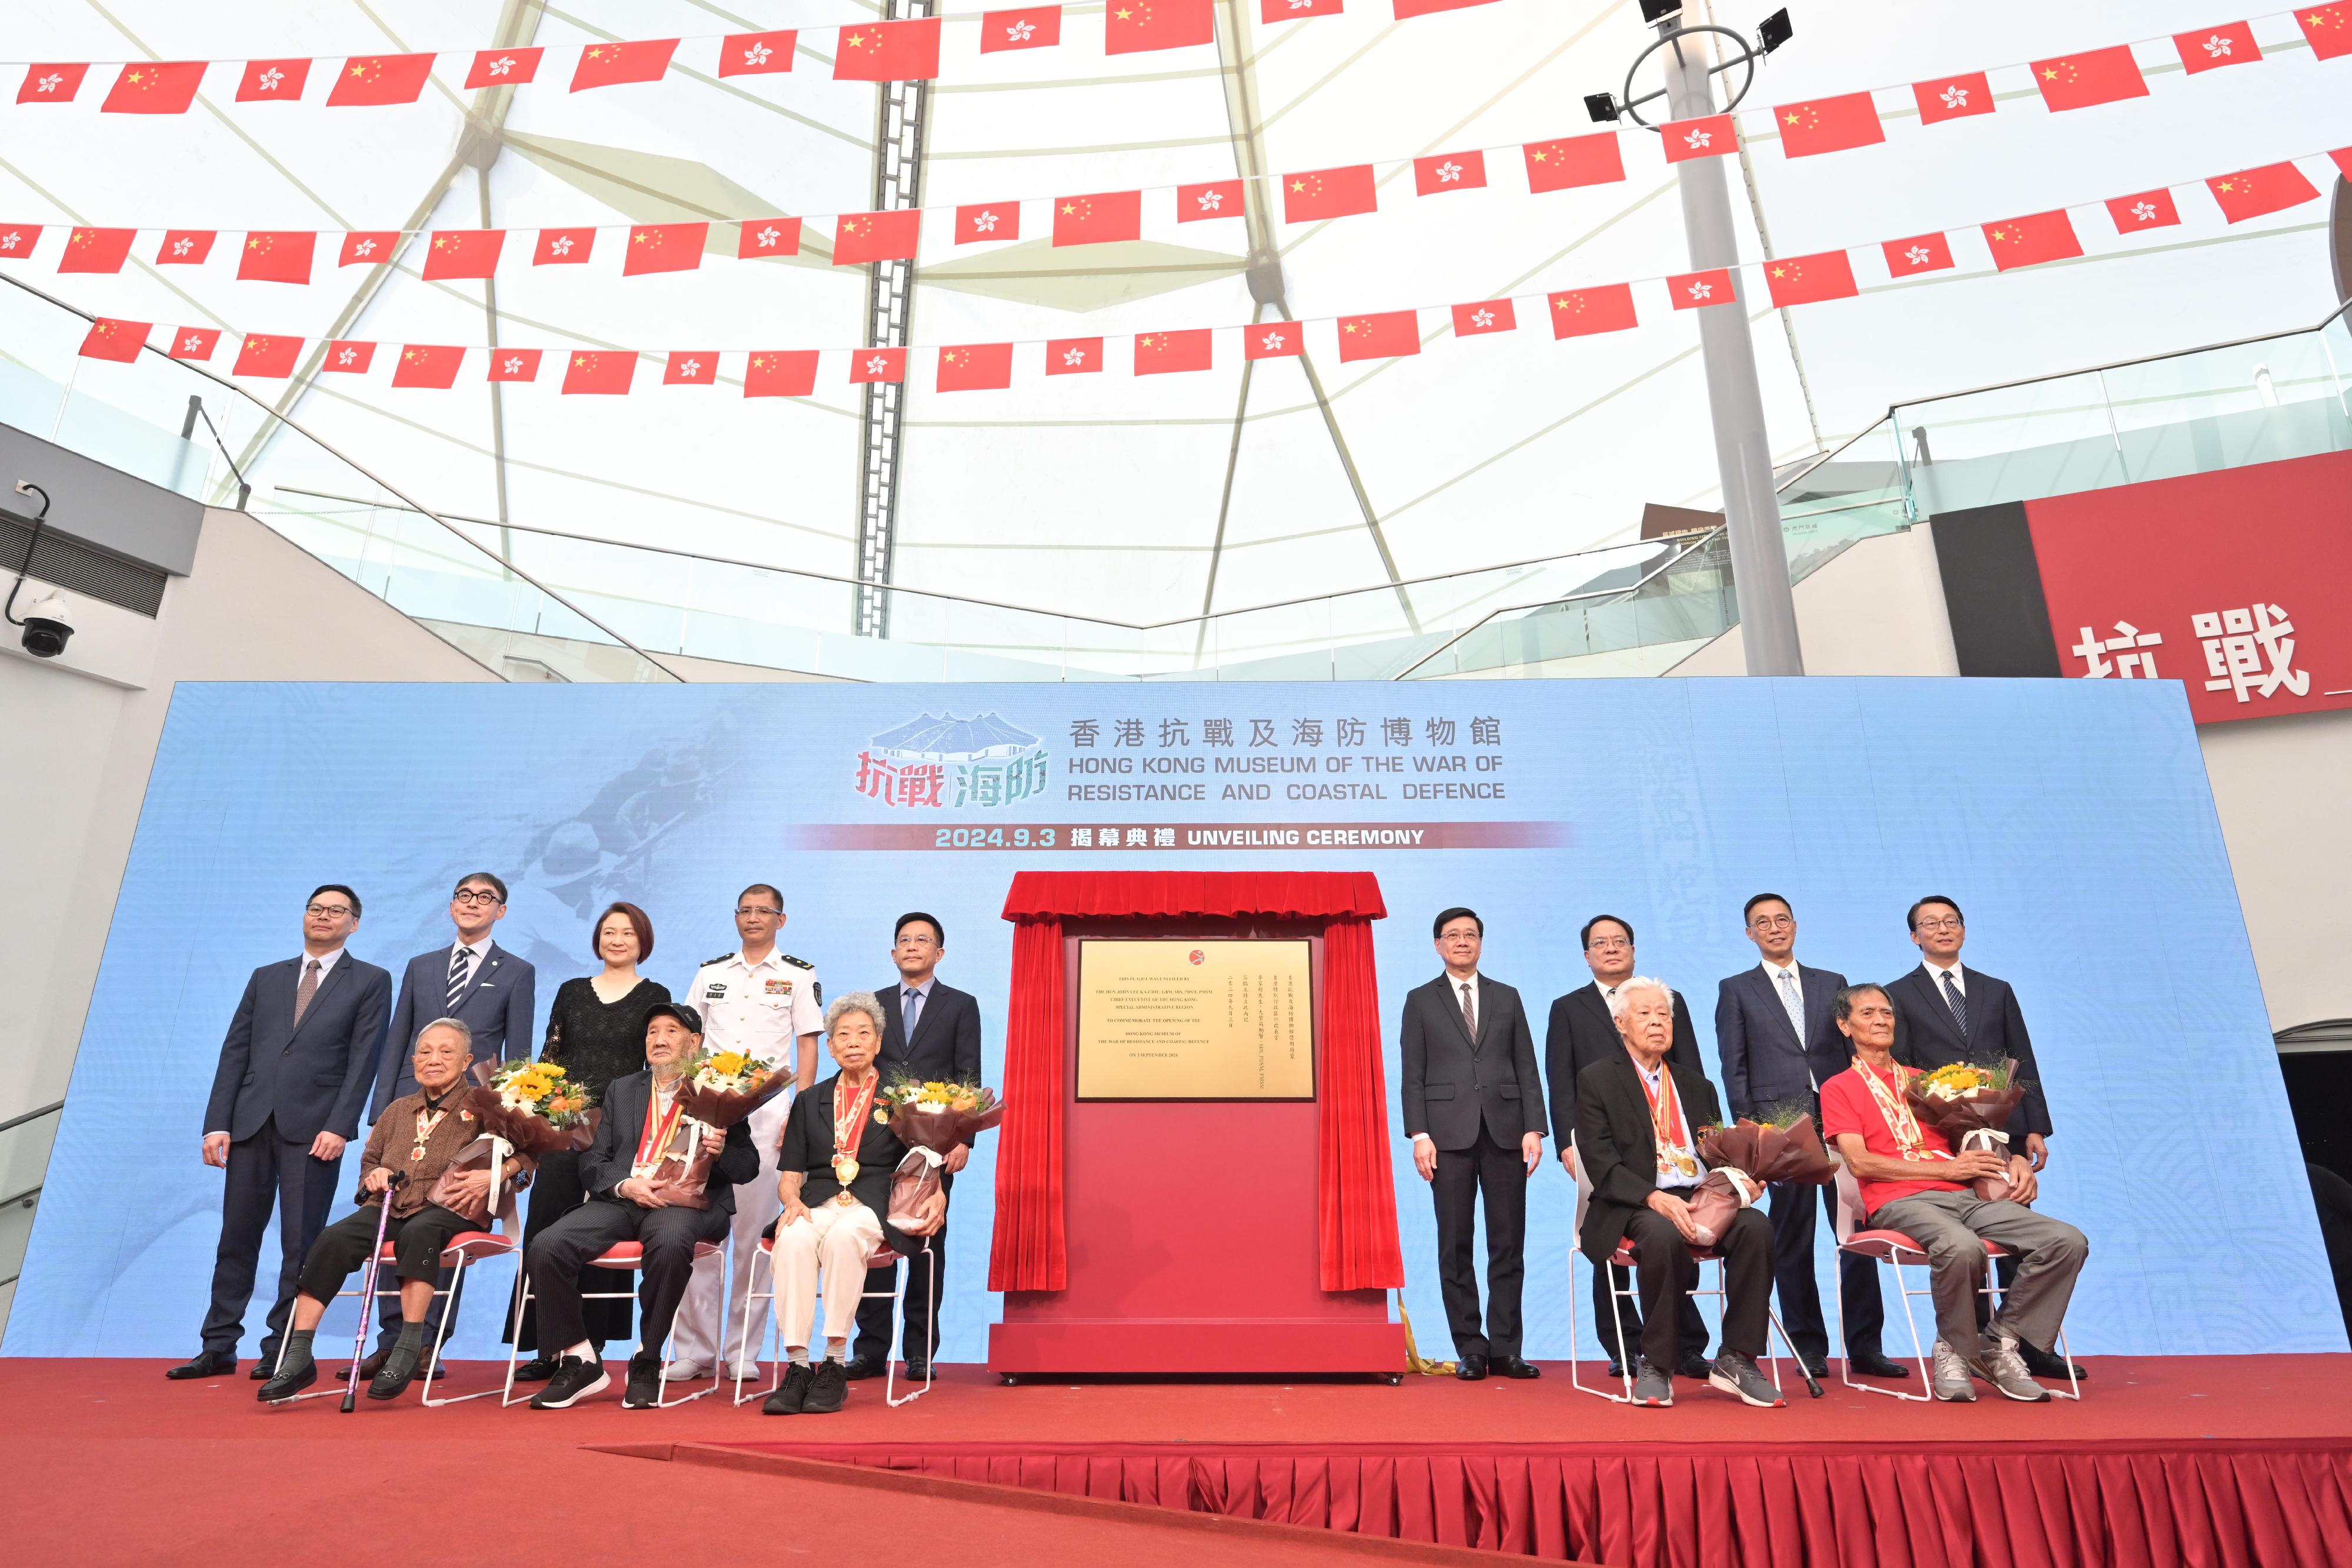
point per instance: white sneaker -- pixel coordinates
(1953, 1382)
(685, 1372)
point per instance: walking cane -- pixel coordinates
(367, 1291)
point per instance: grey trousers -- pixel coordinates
(1953, 1227)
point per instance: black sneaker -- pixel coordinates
(828, 1390)
(1736, 1375)
(537, 1370)
(791, 1394)
(644, 1384)
(399, 1369)
(1651, 1385)
(574, 1380)
(297, 1372)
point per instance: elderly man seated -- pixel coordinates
(1911, 1181)
(834, 1173)
(1637, 1117)
(411, 1144)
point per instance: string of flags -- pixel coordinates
(2031, 240)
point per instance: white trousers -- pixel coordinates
(836, 1240)
(756, 1204)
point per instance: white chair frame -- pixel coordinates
(605, 1261)
(896, 1297)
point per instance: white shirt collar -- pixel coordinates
(326, 961)
(1935, 974)
(480, 950)
(1773, 972)
(1454, 985)
(775, 956)
(923, 991)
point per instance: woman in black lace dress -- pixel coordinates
(595, 1032)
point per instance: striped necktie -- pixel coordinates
(460, 959)
(1958, 1003)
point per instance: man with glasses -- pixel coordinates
(478, 983)
(293, 1077)
(768, 1005)
(1583, 1030)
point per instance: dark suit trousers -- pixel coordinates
(1664, 1269)
(557, 1259)
(921, 1338)
(1488, 1171)
(263, 1170)
(1794, 1208)
(1693, 1327)
(417, 1242)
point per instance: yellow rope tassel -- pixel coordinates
(1413, 1357)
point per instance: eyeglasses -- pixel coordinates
(756, 909)
(1607, 942)
(331, 911)
(1945, 925)
(474, 895)
(1772, 922)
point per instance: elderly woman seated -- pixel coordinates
(834, 1173)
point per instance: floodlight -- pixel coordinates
(1602, 106)
(1774, 30)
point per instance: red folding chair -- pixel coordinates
(896, 1297)
(626, 1255)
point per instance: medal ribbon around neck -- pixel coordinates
(1910, 1143)
(653, 1143)
(849, 1129)
(429, 1115)
(1666, 1121)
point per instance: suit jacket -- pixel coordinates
(1452, 1081)
(1927, 1036)
(1581, 1032)
(605, 1164)
(1764, 1063)
(808, 1149)
(946, 1046)
(1619, 1146)
(495, 1005)
(313, 1078)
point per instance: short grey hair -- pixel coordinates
(464, 1034)
(1639, 983)
(865, 1002)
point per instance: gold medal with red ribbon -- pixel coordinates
(1666, 1124)
(849, 1126)
(1908, 1141)
(655, 1141)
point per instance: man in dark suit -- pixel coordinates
(1780, 1042)
(1474, 1110)
(942, 1046)
(1637, 1120)
(624, 1206)
(1945, 1013)
(294, 1072)
(483, 987)
(1581, 1032)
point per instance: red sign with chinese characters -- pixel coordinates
(2237, 583)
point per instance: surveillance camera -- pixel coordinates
(48, 623)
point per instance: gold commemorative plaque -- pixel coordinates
(1195, 1018)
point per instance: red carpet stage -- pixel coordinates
(2223, 1461)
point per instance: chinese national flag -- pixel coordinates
(1271, 11)
(1484, 316)
(1322, 193)
(349, 356)
(1573, 160)
(876, 236)
(184, 247)
(51, 83)
(1098, 219)
(976, 367)
(117, 340)
(147, 87)
(1160, 353)
(877, 365)
(1952, 98)
(1133, 26)
(1828, 125)
(617, 65)
(1920, 252)
(464, 253)
(2031, 240)
(1697, 290)
(889, 51)
(1405, 8)
(1031, 27)
(1274, 340)
(691, 368)
(1385, 335)
(365, 249)
(1218, 199)
(433, 365)
(1074, 356)
(368, 81)
(2094, 77)
(194, 343)
(514, 364)
(2148, 210)
(96, 250)
(1711, 136)
(1810, 279)
(2327, 28)
(2210, 48)
(993, 220)
(1580, 312)
(602, 370)
(503, 68)
(1449, 171)
(757, 54)
(267, 82)
(281, 258)
(781, 373)
(2252, 193)
(261, 356)
(664, 248)
(562, 247)
(756, 237)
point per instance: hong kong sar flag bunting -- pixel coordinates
(988, 220)
(691, 368)
(514, 364)
(767, 237)
(347, 356)
(273, 81)
(877, 365)
(562, 247)
(367, 247)
(1709, 137)
(18, 240)
(757, 54)
(1274, 340)
(1030, 27)
(1952, 98)
(1218, 199)
(1920, 252)
(1074, 357)
(2148, 210)
(184, 247)
(194, 342)
(2210, 49)
(1484, 316)
(51, 83)
(1449, 171)
(503, 68)
(1697, 290)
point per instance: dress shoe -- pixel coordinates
(1617, 1369)
(1695, 1363)
(2041, 1363)
(862, 1367)
(298, 1374)
(791, 1394)
(206, 1363)
(374, 1365)
(1471, 1367)
(918, 1372)
(262, 1368)
(396, 1370)
(828, 1390)
(1512, 1366)
(539, 1369)
(1871, 1364)
(686, 1372)
(1819, 1365)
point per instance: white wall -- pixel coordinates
(1876, 610)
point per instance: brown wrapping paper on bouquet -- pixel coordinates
(929, 1135)
(480, 1156)
(1977, 1120)
(1742, 1159)
(683, 1176)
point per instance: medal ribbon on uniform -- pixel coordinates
(655, 1141)
(849, 1128)
(1667, 1123)
(1910, 1143)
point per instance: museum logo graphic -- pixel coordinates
(936, 761)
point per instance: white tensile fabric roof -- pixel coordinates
(1106, 493)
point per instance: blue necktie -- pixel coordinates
(1794, 1001)
(1958, 1004)
(913, 1009)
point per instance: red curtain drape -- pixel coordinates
(1358, 1248)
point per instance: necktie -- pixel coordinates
(911, 1010)
(1469, 1012)
(1794, 1001)
(460, 959)
(1958, 1003)
(306, 990)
